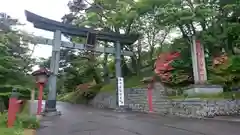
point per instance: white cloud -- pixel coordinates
(53, 9)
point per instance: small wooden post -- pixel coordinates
(32, 108)
(33, 95)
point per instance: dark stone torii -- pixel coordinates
(59, 28)
(52, 25)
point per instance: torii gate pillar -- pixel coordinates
(54, 65)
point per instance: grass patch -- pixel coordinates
(71, 97)
(25, 108)
(11, 131)
(80, 96)
(224, 95)
(131, 82)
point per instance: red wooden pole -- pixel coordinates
(40, 97)
(12, 110)
(150, 87)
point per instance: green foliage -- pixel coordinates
(3, 119)
(11, 131)
(131, 82)
(227, 74)
(18, 127)
(70, 97)
(23, 121)
(81, 96)
(214, 23)
(27, 122)
(224, 95)
(15, 61)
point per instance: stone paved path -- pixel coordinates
(82, 120)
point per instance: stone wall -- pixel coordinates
(136, 99)
(199, 108)
(104, 100)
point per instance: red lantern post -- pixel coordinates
(41, 78)
(149, 96)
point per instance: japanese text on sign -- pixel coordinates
(120, 89)
(200, 59)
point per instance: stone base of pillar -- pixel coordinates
(51, 113)
(197, 89)
(50, 109)
(120, 109)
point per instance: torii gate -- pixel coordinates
(59, 28)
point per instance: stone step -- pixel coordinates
(136, 104)
(160, 105)
(159, 100)
(137, 101)
(160, 110)
(137, 97)
(140, 96)
(141, 93)
(163, 107)
(166, 100)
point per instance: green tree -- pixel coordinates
(15, 62)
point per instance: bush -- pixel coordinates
(81, 96)
(10, 131)
(24, 107)
(92, 92)
(23, 121)
(2, 105)
(3, 120)
(27, 122)
(17, 130)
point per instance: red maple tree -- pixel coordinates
(163, 64)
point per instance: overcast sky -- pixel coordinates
(53, 9)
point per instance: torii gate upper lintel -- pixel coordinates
(52, 25)
(59, 28)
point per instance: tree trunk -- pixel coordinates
(96, 76)
(2, 106)
(139, 56)
(105, 67)
(151, 51)
(125, 70)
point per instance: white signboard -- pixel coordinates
(120, 86)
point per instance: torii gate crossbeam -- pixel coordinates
(47, 41)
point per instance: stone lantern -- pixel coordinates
(41, 77)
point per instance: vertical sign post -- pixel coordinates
(194, 60)
(201, 62)
(119, 78)
(198, 62)
(120, 88)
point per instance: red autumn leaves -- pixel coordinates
(163, 64)
(222, 59)
(83, 86)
